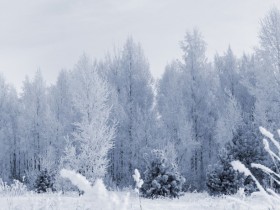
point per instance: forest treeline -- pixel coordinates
(103, 118)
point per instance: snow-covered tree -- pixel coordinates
(186, 104)
(44, 182)
(236, 103)
(176, 125)
(222, 179)
(132, 99)
(36, 125)
(228, 72)
(244, 147)
(93, 135)
(270, 39)
(267, 72)
(61, 106)
(9, 133)
(229, 121)
(162, 178)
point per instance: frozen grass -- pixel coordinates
(190, 201)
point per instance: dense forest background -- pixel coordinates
(103, 118)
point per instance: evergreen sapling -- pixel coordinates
(162, 178)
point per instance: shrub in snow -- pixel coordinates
(98, 195)
(16, 188)
(222, 179)
(44, 182)
(270, 197)
(162, 178)
(246, 148)
(3, 186)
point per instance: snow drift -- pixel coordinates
(98, 195)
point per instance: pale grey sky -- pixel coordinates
(52, 34)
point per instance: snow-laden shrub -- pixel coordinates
(98, 196)
(16, 188)
(162, 178)
(223, 179)
(44, 182)
(270, 197)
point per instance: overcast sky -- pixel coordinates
(52, 34)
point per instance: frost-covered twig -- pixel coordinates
(271, 137)
(267, 171)
(16, 188)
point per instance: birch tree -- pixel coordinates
(93, 135)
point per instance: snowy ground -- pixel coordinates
(195, 201)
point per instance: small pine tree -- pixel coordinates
(246, 148)
(223, 179)
(161, 178)
(44, 182)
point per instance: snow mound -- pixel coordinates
(97, 196)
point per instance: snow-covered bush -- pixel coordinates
(4, 186)
(16, 188)
(246, 148)
(162, 178)
(223, 179)
(270, 197)
(44, 182)
(97, 194)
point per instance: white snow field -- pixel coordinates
(97, 197)
(190, 201)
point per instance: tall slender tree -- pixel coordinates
(93, 135)
(132, 99)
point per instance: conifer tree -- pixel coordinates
(244, 147)
(161, 177)
(44, 182)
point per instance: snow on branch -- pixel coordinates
(270, 137)
(238, 166)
